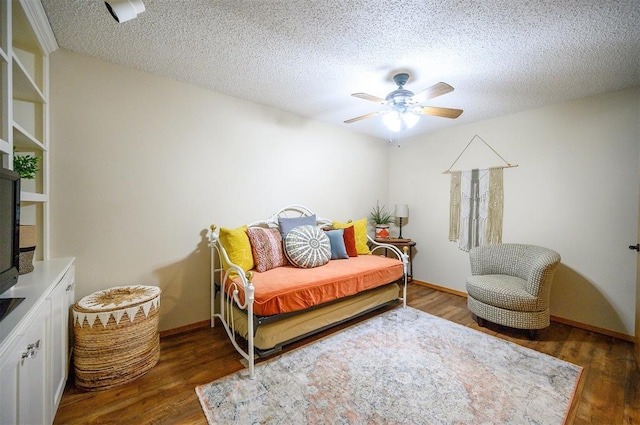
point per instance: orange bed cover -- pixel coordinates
(288, 289)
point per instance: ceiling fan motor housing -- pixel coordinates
(401, 79)
(399, 99)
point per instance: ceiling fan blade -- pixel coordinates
(435, 90)
(369, 97)
(362, 117)
(440, 112)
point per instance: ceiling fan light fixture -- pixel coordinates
(392, 121)
(410, 119)
(398, 121)
(405, 106)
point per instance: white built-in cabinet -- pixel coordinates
(26, 40)
(35, 342)
(61, 299)
(35, 338)
(22, 369)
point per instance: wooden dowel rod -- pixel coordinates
(490, 168)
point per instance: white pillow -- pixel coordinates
(307, 247)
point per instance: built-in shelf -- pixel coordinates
(31, 385)
(33, 197)
(24, 88)
(26, 40)
(23, 139)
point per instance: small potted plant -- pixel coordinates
(381, 219)
(26, 165)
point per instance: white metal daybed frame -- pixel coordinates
(225, 311)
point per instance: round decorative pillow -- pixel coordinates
(307, 247)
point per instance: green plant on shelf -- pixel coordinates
(26, 165)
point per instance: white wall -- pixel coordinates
(142, 165)
(575, 191)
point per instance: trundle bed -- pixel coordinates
(267, 309)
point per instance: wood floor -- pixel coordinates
(609, 391)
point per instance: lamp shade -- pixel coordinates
(402, 210)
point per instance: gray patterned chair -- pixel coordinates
(510, 285)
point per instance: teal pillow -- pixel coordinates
(286, 224)
(338, 248)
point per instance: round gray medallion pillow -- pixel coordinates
(307, 247)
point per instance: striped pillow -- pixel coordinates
(307, 247)
(266, 245)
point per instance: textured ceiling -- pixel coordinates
(308, 56)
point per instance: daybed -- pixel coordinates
(269, 300)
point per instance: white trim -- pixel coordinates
(35, 14)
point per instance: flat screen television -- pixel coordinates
(9, 228)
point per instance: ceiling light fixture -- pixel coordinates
(406, 108)
(124, 10)
(398, 121)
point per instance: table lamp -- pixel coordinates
(402, 211)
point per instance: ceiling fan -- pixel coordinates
(405, 105)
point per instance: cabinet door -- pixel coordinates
(23, 376)
(71, 298)
(60, 303)
(9, 386)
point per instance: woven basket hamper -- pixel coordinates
(25, 260)
(27, 248)
(116, 336)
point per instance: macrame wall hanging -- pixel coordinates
(477, 203)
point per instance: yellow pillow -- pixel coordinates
(360, 230)
(236, 243)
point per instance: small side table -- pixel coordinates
(400, 244)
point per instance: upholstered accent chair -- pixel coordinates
(510, 285)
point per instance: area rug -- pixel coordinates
(403, 366)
